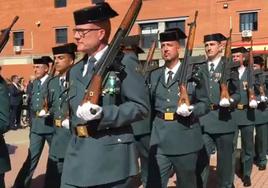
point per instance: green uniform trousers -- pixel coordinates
(142, 143)
(53, 172)
(247, 150)
(261, 144)
(225, 148)
(37, 142)
(183, 165)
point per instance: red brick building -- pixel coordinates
(44, 24)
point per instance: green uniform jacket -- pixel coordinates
(244, 116)
(4, 123)
(221, 120)
(40, 125)
(142, 127)
(59, 110)
(106, 158)
(261, 111)
(182, 135)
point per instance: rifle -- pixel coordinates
(149, 57)
(52, 72)
(94, 88)
(250, 74)
(184, 98)
(225, 68)
(5, 34)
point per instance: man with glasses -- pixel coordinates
(102, 152)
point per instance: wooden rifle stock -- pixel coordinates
(94, 88)
(228, 57)
(184, 98)
(5, 34)
(45, 102)
(251, 93)
(149, 57)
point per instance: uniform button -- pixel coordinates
(38, 93)
(119, 140)
(211, 79)
(37, 99)
(60, 99)
(168, 100)
(107, 128)
(210, 95)
(210, 87)
(167, 109)
(168, 90)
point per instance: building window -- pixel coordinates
(18, 38)
(60, 3)
(249, 21)
(149, 34)
(61, 36)
(177, 24)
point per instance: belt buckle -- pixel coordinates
(240, 106)
(37, 113)
(212, 106)
(168, 116)
(58, 123)
(82, 131)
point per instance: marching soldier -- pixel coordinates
(4, 124)
(219, 125)
(173, 125)
(64, 57)
(101, 152)
(41, 129)
(261, 119)
(141, 129)
(245, 116)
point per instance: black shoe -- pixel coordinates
(246, 181)
(262, 167)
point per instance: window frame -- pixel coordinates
(57, 41)
(60, 3)
(248, 23)
(15, 40)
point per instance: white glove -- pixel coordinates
(253, 104)
(43, 113)
(263, 98)
(184, 110)
(225, 102)
(85, 111)
(66, 123)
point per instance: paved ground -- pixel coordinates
(18, 145)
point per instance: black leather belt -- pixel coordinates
(85, 131)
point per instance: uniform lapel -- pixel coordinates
(162, 77)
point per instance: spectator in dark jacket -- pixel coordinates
(15, 92)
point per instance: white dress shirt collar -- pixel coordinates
(43, 79)
(215, 61)
(174, 70)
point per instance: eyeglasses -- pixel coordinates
(82, 32)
